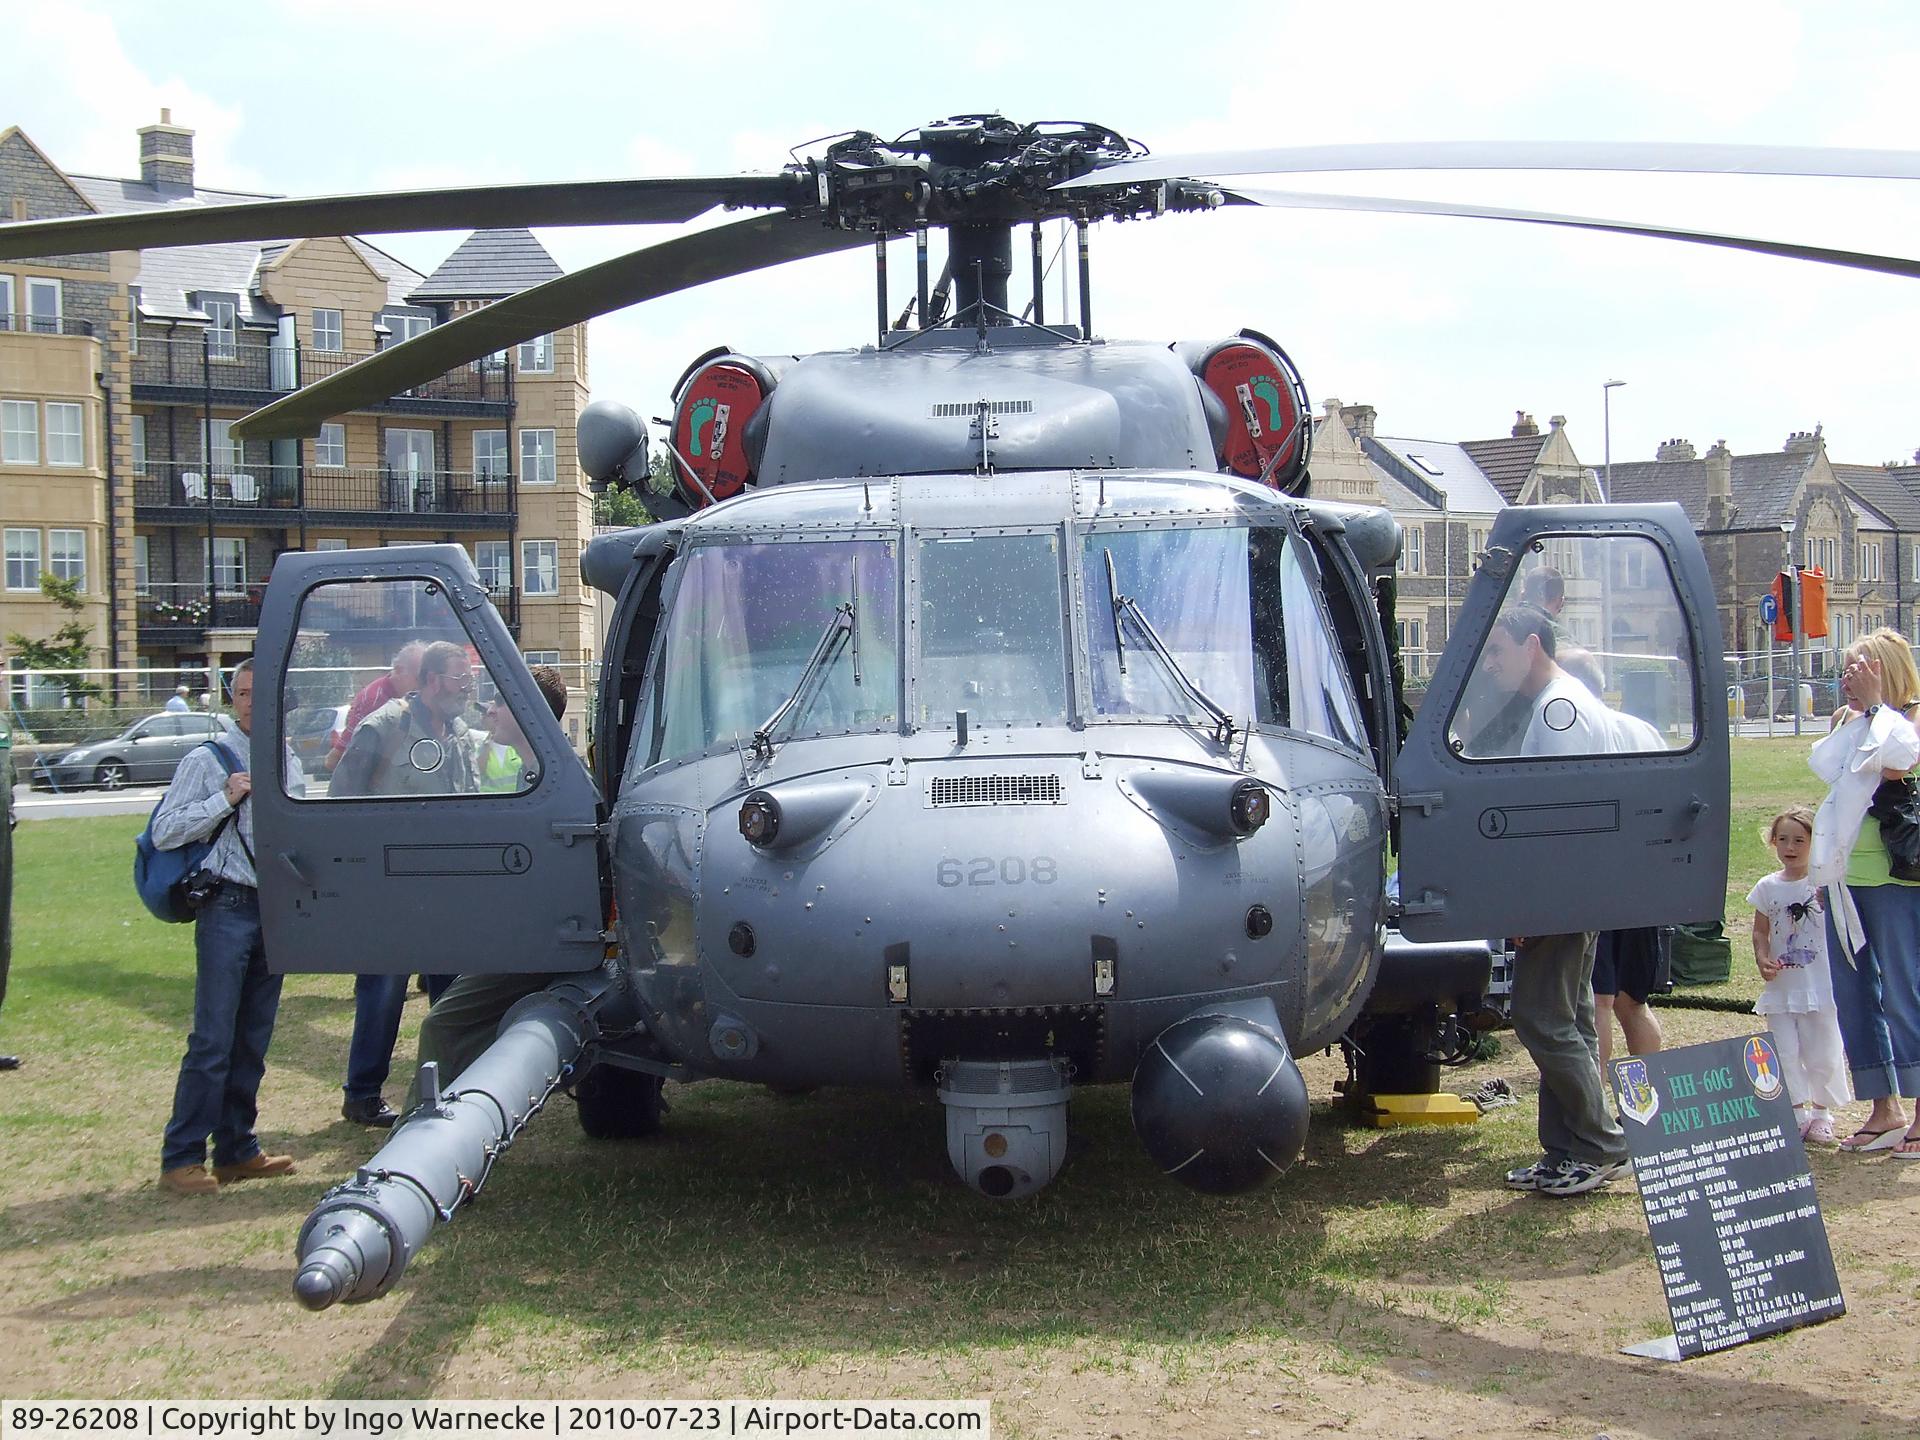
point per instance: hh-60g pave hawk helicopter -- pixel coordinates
(995, 711)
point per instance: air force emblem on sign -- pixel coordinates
(1638, 1098)
(1763, 1067)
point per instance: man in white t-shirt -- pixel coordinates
(1581, 1143)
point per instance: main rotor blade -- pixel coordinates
(1852, 259)
(1649, 156)
(476, 207)
(677, 264)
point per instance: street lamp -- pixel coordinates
(1606, 431)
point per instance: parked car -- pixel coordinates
(145, 753)
(310, 732)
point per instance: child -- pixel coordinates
(1790, 947)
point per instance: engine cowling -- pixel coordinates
(1267, 432)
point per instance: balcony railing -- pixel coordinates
(359, 489)
(216, 362)
(187, 610)
(43, 325)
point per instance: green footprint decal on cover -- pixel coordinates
(703, 413)
(1265, 387)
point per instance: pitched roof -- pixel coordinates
(169, 277)
(1764, 486)
(489, 264)
(1445, 468)
(1506, 462)
(1892, 490)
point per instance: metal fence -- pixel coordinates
(222, 361)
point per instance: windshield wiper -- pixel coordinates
(1223, 726)
(839, 628)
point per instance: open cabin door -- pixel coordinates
(456, 832)
(1574, 779)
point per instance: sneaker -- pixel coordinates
(255, 1168)
(1576, 1177)
(375, 1112)
(1491, 1095)
(1528, 1177)
(188, 1180)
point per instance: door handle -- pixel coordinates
(1696, 807)
(287, 860)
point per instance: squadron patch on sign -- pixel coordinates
(1763, 1067)
(1638, 1098)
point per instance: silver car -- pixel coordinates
(145, 753)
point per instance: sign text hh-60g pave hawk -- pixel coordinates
(1015, 720)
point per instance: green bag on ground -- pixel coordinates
(1702, 955)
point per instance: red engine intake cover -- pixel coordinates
(709, 426)
(1264, 424)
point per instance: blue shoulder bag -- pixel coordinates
(162, 876)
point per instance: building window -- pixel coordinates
(537, 458)
(66, 441)
(1476, 545)
(330, 542)
(540, 566)
(536, 356)
(19, 432)
(218, 447)
(221, 334)
(67, 555)
(1410, 560)
(139, 444)
(1413, 650)
(142, 584)
(23, 559)
(133, 320)
(229, 562)
(493, 559)
(490, 454)
(327, 332)
(330, 447)
(402, 328)
(541, 657)
(1869, 556)
(7, 321)
(43, 305)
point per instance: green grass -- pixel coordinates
(794, 1232)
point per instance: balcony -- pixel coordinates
(214, 369)
(182, 614)
(43, 325)
(189, 492)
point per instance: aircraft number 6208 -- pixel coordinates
(1010, 870)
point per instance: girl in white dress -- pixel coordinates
(1790, 948)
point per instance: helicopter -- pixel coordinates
(992, 709)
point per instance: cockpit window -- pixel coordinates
(992, 631)
(747, 618)
(1235, 609)
(1213, 598)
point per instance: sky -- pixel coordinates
(1446, 326)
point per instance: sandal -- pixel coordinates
(1908, 1148)
(1864, 1140)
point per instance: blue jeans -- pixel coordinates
(377, 1002)
(234, 1004)
(1877, 997)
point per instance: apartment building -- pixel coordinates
(121, 376)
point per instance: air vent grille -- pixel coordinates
(995, 790)
(970, 408)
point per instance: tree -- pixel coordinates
(635, 504)
(67, 649)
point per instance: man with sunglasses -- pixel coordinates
(415, 746)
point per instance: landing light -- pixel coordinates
(759, 818)
(1250, 807)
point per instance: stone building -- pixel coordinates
(121, 376)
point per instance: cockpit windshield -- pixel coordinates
(747, 619)
(1235, 610)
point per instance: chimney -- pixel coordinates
(1523, 424)
(166, 154)
(1558, 422)
(1359, 419)
(1803, 442)
(1719, 486)
(1674, 450)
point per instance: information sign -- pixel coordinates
(1769, 609)
(1723, 1176)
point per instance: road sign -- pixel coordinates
(1769, 610)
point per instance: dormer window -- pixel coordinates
(222, 335)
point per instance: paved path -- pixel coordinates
(39, 805)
